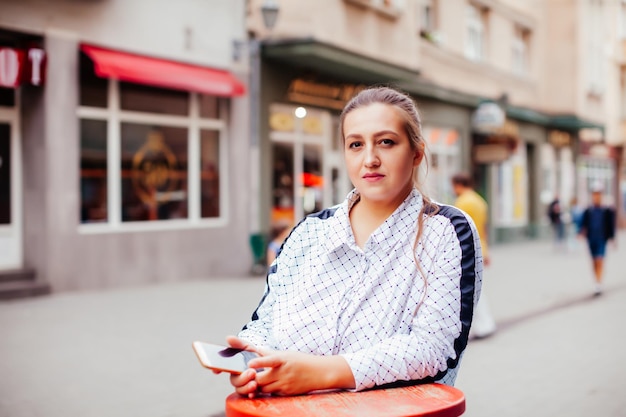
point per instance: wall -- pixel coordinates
(193, 31)
(363, 30)
(62, 255)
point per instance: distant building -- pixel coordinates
(124, 142)
(159, 141)
(509, 91)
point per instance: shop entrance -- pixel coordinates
(10, 193)
(307, 174)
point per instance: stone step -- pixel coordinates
(17, 275)
(22, 289)
(21, 283)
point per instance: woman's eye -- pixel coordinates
(354, 145)
(387, 142)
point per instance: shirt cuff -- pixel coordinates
(361, 379)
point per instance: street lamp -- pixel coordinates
(269, 11)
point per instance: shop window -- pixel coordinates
(7, 97)
(141, 98)
(149, 157)
(312, 179)
(307, 170)
(5, 174)
(283, 186)
(154, 172)
(209, 107)
(93, 171)
(210, 173)
(93, 90)
(443, 151)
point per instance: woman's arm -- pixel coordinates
(439, 332)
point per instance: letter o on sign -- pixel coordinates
(11, 61)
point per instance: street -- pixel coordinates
(127, 352)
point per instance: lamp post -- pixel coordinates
(269, 11)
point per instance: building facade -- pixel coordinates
(121, 155)
(150, 141)
(481, 71)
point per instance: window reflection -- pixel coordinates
(93, 171)
(153, 100)
(154, 172)
(93, 89)
(282, 180)
(209, 173)
(5, 174)
(312, 180)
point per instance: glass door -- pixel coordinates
(10, 214)
(301, 183)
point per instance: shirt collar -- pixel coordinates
(401, 222)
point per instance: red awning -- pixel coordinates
(158, 72)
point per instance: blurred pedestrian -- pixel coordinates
(556, 220)
(278, 234)
(598, 226)
(377, 290)
(576, 216)
(468, 200)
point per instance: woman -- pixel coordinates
(377, 290)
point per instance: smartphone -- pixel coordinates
(223, 358)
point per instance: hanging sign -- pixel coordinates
(22, 66)
(488, 118)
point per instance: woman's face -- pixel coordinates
(378, 153)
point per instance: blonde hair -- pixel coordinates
(413, 127)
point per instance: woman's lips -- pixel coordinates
(373, 177)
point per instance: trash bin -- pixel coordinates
(258, 244)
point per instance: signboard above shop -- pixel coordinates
(488, 118)
(22, 66)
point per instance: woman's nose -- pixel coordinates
(371, 157)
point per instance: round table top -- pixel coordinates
(433, 400)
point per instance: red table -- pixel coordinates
(433, 400)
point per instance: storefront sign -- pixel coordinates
(590, 135)
(333, 96)
(559, 139)
(22, 66)
(488, 118)
(491, 153)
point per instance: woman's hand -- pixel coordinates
(244, 383)
(293, 373)
(289, 373)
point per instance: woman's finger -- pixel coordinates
(270, 361)
(237, 343)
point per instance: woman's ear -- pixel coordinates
(418, 154)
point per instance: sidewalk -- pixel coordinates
(557, 351)
(128, 352)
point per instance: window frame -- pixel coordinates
(114, 116)
(520, 50)
(475, 24)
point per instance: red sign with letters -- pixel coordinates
(22, 66)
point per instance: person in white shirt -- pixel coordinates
(378, 291)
